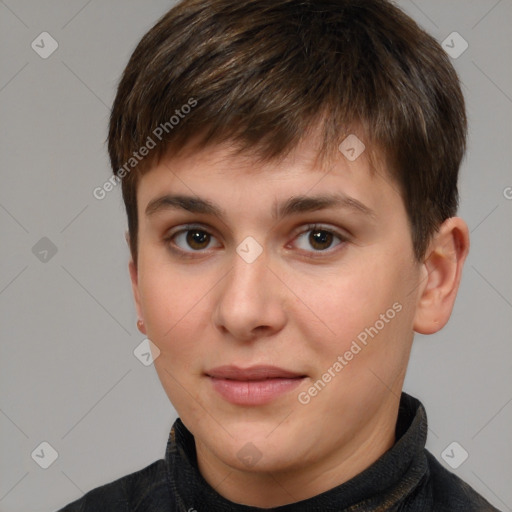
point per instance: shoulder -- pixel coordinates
(144, 490)
(450, 493)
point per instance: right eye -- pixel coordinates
(193, 237)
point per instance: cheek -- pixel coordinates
(364, 312)
(173, 307)
(339, 306)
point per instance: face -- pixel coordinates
(281, 297)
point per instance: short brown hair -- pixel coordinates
(262, 72)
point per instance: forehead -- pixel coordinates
(221, 179)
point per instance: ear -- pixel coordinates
(442, 272)
(136, 294)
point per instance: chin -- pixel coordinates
(261, 459)
(258, 451)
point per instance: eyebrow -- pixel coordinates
(293, 206)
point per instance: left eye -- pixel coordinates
(319, 238)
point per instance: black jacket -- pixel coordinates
(407, 478)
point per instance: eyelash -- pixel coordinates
(309, 227)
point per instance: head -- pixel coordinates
(262, 113)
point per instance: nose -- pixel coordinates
(251, 300)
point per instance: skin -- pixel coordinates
(298, 306)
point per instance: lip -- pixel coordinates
(256, 385)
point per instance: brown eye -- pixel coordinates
(319, 239)
(189, 240)
(196, 238)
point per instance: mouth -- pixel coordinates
(256, 385)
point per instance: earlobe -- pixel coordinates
(441, 275)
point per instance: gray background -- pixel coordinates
(68, 374)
